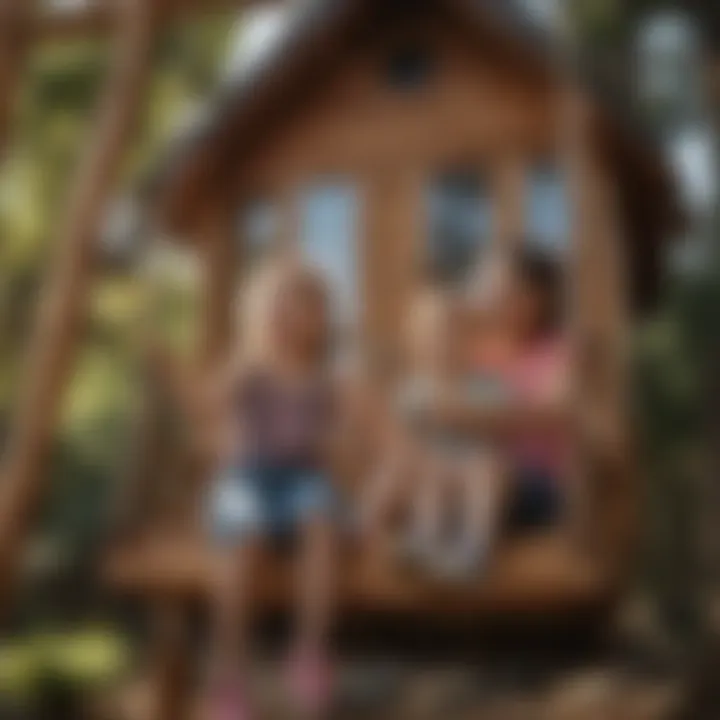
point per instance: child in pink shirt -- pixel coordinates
(539, 375)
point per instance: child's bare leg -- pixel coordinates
(482, 490)
(310, 678)
(230, 608)
(383, 491)
(316, 584)
(428, 505)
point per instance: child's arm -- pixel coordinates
(367, 424)
(219, 425)
(506, 418)
(389, 448)
(382, 489)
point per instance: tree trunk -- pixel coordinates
(712, 473)
(172, 666)
(63, 303)
(170, 661)
(14, 46)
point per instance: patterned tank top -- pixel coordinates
(283, 426)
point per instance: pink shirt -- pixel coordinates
(535, 377)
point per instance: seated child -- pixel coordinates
(541, 381)
(447, 477)
(272, 416)
(532, 418)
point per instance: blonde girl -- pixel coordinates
(268, 418)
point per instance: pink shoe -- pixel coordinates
(228, 701)
(310, 682)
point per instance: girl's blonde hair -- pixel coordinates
(256, 302)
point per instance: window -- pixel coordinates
(460, 224)
(548, 223)
(259, 229)
(329, 240)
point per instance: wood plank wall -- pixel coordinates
(390, 144)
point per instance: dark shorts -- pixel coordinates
(267, 501)
(536, 501)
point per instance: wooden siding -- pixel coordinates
(391, 143)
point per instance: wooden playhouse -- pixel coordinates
(381, 136)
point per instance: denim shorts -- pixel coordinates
(536, 500)
(266, 501)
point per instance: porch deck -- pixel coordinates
(538, 574)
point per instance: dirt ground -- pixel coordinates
(395, 690)
(410, 673)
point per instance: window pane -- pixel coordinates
(548, 209)
(329, 241)
(460, 224)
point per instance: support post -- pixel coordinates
(597, 316)
(15, 37)
(388, 264)
(216, 246)
(63, 304)
(510, 203)
(171, 668)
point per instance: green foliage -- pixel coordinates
(55, 120)
(80, 661)
(597, 19)
(674, 383)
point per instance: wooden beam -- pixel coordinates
(172, 665)
(545, 572)
(393, 257)
(14, 44)
(170, 659)
(604, 486)
(509, 198)
(63, 304)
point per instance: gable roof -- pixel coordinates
(240, 93)
(310, 40)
